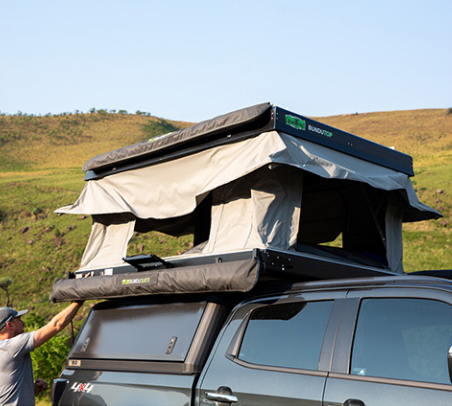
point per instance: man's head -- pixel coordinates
(10, 322)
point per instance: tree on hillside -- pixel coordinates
(4, 284)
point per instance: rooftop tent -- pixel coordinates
(260, 177)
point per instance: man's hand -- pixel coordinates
(40, 385)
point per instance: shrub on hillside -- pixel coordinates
(49, 358)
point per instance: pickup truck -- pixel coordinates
(293, 293)
(381, 340)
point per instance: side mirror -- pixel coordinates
(449, 363)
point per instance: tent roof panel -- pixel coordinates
(235, 126)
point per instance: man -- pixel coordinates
(16, 373)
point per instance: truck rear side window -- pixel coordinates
(403, 338)
(160, 332)
(287, 335)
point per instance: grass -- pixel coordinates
(428, 243)
(40, 171)
(37, 244)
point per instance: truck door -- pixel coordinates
(392, 349)
(273, 351)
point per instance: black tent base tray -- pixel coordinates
(273, 263)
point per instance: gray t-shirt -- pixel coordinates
(16, 371)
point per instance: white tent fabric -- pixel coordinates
(256, 204)
(174, 188)
(107, 244)
(257, 212)
(394, 243)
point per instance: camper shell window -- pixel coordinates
(148, 332)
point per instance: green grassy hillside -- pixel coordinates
(40, 171)
(41, 165)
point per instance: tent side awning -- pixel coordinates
(235, 276)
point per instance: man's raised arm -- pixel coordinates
(58, 323)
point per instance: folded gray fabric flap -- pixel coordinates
(234, 276)
(224, 122)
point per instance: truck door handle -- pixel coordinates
(352, 402)
(223, 394)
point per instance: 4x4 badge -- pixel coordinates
(82, 387)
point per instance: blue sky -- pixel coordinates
(192, 60)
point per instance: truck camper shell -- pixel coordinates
(263, 190)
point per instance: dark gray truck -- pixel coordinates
(294, 292)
